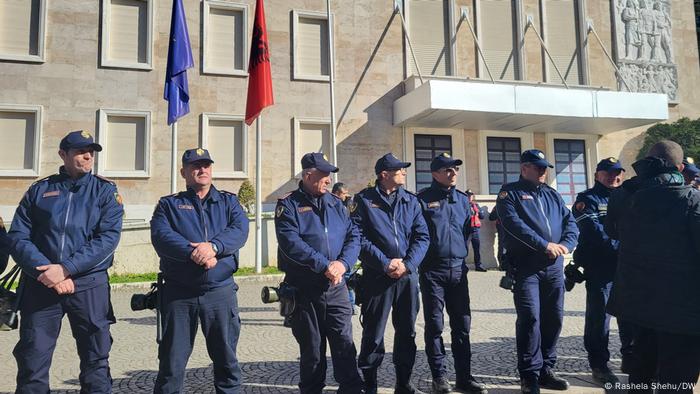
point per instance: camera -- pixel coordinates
(270, 294)
(507, 281)
(572, 275)
(149, 300)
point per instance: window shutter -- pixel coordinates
(560, 34)
(497, 29)
(17, 134)
(225, 143)
(429, 33)
(125, 142)
(225, 39)
(312, 47)
(19, 27)
(128, 31)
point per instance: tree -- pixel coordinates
(246, 195)
(684, 131)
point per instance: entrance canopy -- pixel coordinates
(512, 106)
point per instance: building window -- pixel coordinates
(226, 138)
(503, 155)
(561, 27)
(498, 25)
(20, 131)
(22, 27)
(310, 49)
(311, 135)
(429, 25)
(570, 167)
(127, 34)
(427, 147)
(225, 29)
(125, 138)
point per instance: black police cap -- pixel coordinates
(444, 161)
(609, 164)
(389, 162)
(318, 161)
(79, 139)
(196, 154)
(536, 157)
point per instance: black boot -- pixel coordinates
(441, 385)
(529, 386)
(550, 380)
(470, 385)
(370, 378)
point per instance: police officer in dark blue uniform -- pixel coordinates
(197, 233)
(394, 239)
(443, 275)
(597, 254)
(66, 229)
(539, 230)
(317, 245)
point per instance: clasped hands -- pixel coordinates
(396, 269)
(203, 254)
(57, 277)
(335, 271)
(555, 250)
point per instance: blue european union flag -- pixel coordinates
(179, 60)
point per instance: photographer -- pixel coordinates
(197, 233)
(597, 254)
(318, 244)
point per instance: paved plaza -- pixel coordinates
(268, 353)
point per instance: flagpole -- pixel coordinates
(331, 76)
(258, 194)
(173, 160)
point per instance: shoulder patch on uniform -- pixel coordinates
(119, 198)
(279, 211)
(282, 197)
(580, 206)
(105, 179)
(352, 206)
(434, 204)
(502, 194)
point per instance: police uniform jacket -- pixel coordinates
(182, 218)
(73, 222)
(447, 214)
(657, 220)
(388, 232)
(311, 233)
(532, 216)
(596, 251)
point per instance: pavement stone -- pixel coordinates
(269, 354)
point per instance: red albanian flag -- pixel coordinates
(259, 75)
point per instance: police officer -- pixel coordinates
(656, 218)
(597, 254)
(317, 244)
(690, 172)
(394, 240)
(66, 229)
(539, 230)
(443, 275)
(197, 234)
(476, 216)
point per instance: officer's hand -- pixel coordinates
(65, 287)
(203, 251)
(564, 249)
(393, 265)
(399, 272)
(553, 251)
(336, 270)
(211, 263)
(52, 274)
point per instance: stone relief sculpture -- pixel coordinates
(645, 46)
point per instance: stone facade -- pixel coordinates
(371, 65)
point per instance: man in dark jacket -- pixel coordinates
(394, 239)
(657, 221)
(318, 244)
(197, 234)
(476, 216)
(539, 230)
